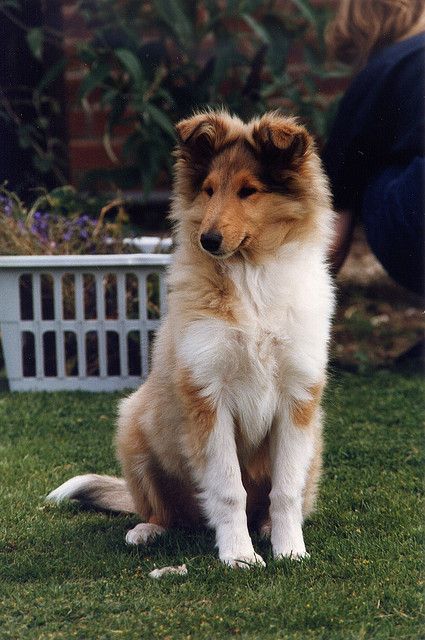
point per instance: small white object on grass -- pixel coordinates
(181, 570)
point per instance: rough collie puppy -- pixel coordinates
(226, 430)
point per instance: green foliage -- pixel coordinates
(157, 61)
(66, 572)
(35, 42)
(152, 63)
(31, 110)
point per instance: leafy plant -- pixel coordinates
(30, 111)
(153, 63)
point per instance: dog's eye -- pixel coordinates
(209, 191)
(245, 192)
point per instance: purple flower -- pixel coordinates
(6, 204)
(40, 224)
(83, 220)
(67, 235)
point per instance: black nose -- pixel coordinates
(211, 241)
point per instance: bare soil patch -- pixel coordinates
(377, 321)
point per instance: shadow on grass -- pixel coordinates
(73, 542)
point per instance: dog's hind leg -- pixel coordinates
(143, 478)
(162, 499)
(141, 473)
(144, 533)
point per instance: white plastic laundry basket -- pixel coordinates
(80, 322)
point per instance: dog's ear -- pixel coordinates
(199, 138)
(187, 128)
(202, 132)
(281, 142)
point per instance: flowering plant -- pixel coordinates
(43, 229)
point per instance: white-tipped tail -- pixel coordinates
(103, 492)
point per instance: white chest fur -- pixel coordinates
(234, 368)
(276, 349)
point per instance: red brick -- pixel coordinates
(91, 154)
(74, 24)
(69, 46)
(332, 86)
(77, 123)
(72, 86)
(74, 64)
(92, 124)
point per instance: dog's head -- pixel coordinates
(245, 189)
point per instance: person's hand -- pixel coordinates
(344, 226)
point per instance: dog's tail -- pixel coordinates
(103, 492)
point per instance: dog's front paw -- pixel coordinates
(293, 551)
(243, 560)
(288, 543)
(143, 533)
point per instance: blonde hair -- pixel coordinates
(362, 27)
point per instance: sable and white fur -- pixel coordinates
(226, 430)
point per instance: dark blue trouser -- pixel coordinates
(393, 218)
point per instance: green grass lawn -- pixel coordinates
(67, 573)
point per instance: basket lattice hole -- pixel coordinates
(49, 354)
(92, 354)
(152, 296)
(71, 353)
(89, 295)
(47, 297)
(134, 353)
(111, 296)
(68, 296)
(28, 354)
(131, 296)
(26, 298)
(113, 353)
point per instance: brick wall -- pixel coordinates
(85, 126)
